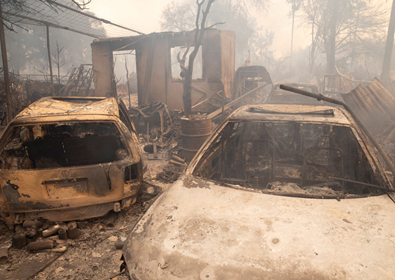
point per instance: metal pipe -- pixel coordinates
(237, 100)
(5, 68)
(320, 97)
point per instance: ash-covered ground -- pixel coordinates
(93, 255)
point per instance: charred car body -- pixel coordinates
(68, 158)
(277, 192)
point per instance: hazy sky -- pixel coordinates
(145, 16)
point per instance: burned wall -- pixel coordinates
(154, 58)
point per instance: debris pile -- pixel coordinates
(153, 121)
(172, 171)
(95, 254)
(158, 129)
(79, 82)
(39, 236)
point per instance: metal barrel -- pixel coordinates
(194, 133)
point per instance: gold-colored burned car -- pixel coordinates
(276, 192)
(68, 158)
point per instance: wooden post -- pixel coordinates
(386, 70)
(5, 68)
(127, 80)
(50, 60)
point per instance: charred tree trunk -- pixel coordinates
(312, 49)
(187, 89)
(292, 39)
(331, 54)
(50, 60)
(385, 73)
(5, 68)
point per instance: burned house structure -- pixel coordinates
(158, 57)
(160, 61)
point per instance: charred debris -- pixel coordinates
(81, 154)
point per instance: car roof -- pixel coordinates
(60, 106)
(298, 113)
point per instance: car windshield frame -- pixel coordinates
(376, 186)
(8, 134)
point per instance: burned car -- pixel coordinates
(65, 158)
(276, 192)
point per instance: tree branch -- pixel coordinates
(211, 26)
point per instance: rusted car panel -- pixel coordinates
(260, 202)
(64, 159)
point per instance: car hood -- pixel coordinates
(200, 230)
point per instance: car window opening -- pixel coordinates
(290, 157)
(62, 145)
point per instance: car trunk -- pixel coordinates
(65, 165)
(43, 189)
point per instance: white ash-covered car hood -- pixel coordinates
(200, 230)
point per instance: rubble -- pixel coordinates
(167, 145)
(40, 245)
(171, 172)
(3, 255)
(103, 236)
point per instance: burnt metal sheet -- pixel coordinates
(373, 104)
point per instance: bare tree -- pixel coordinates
(127, 80)
(199, 32)
(236, 15)
(295, 4)
(59, 62)
(21, 7)
(178, 16)
(340, 28)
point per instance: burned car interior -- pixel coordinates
(63, 144)
(291, 158)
